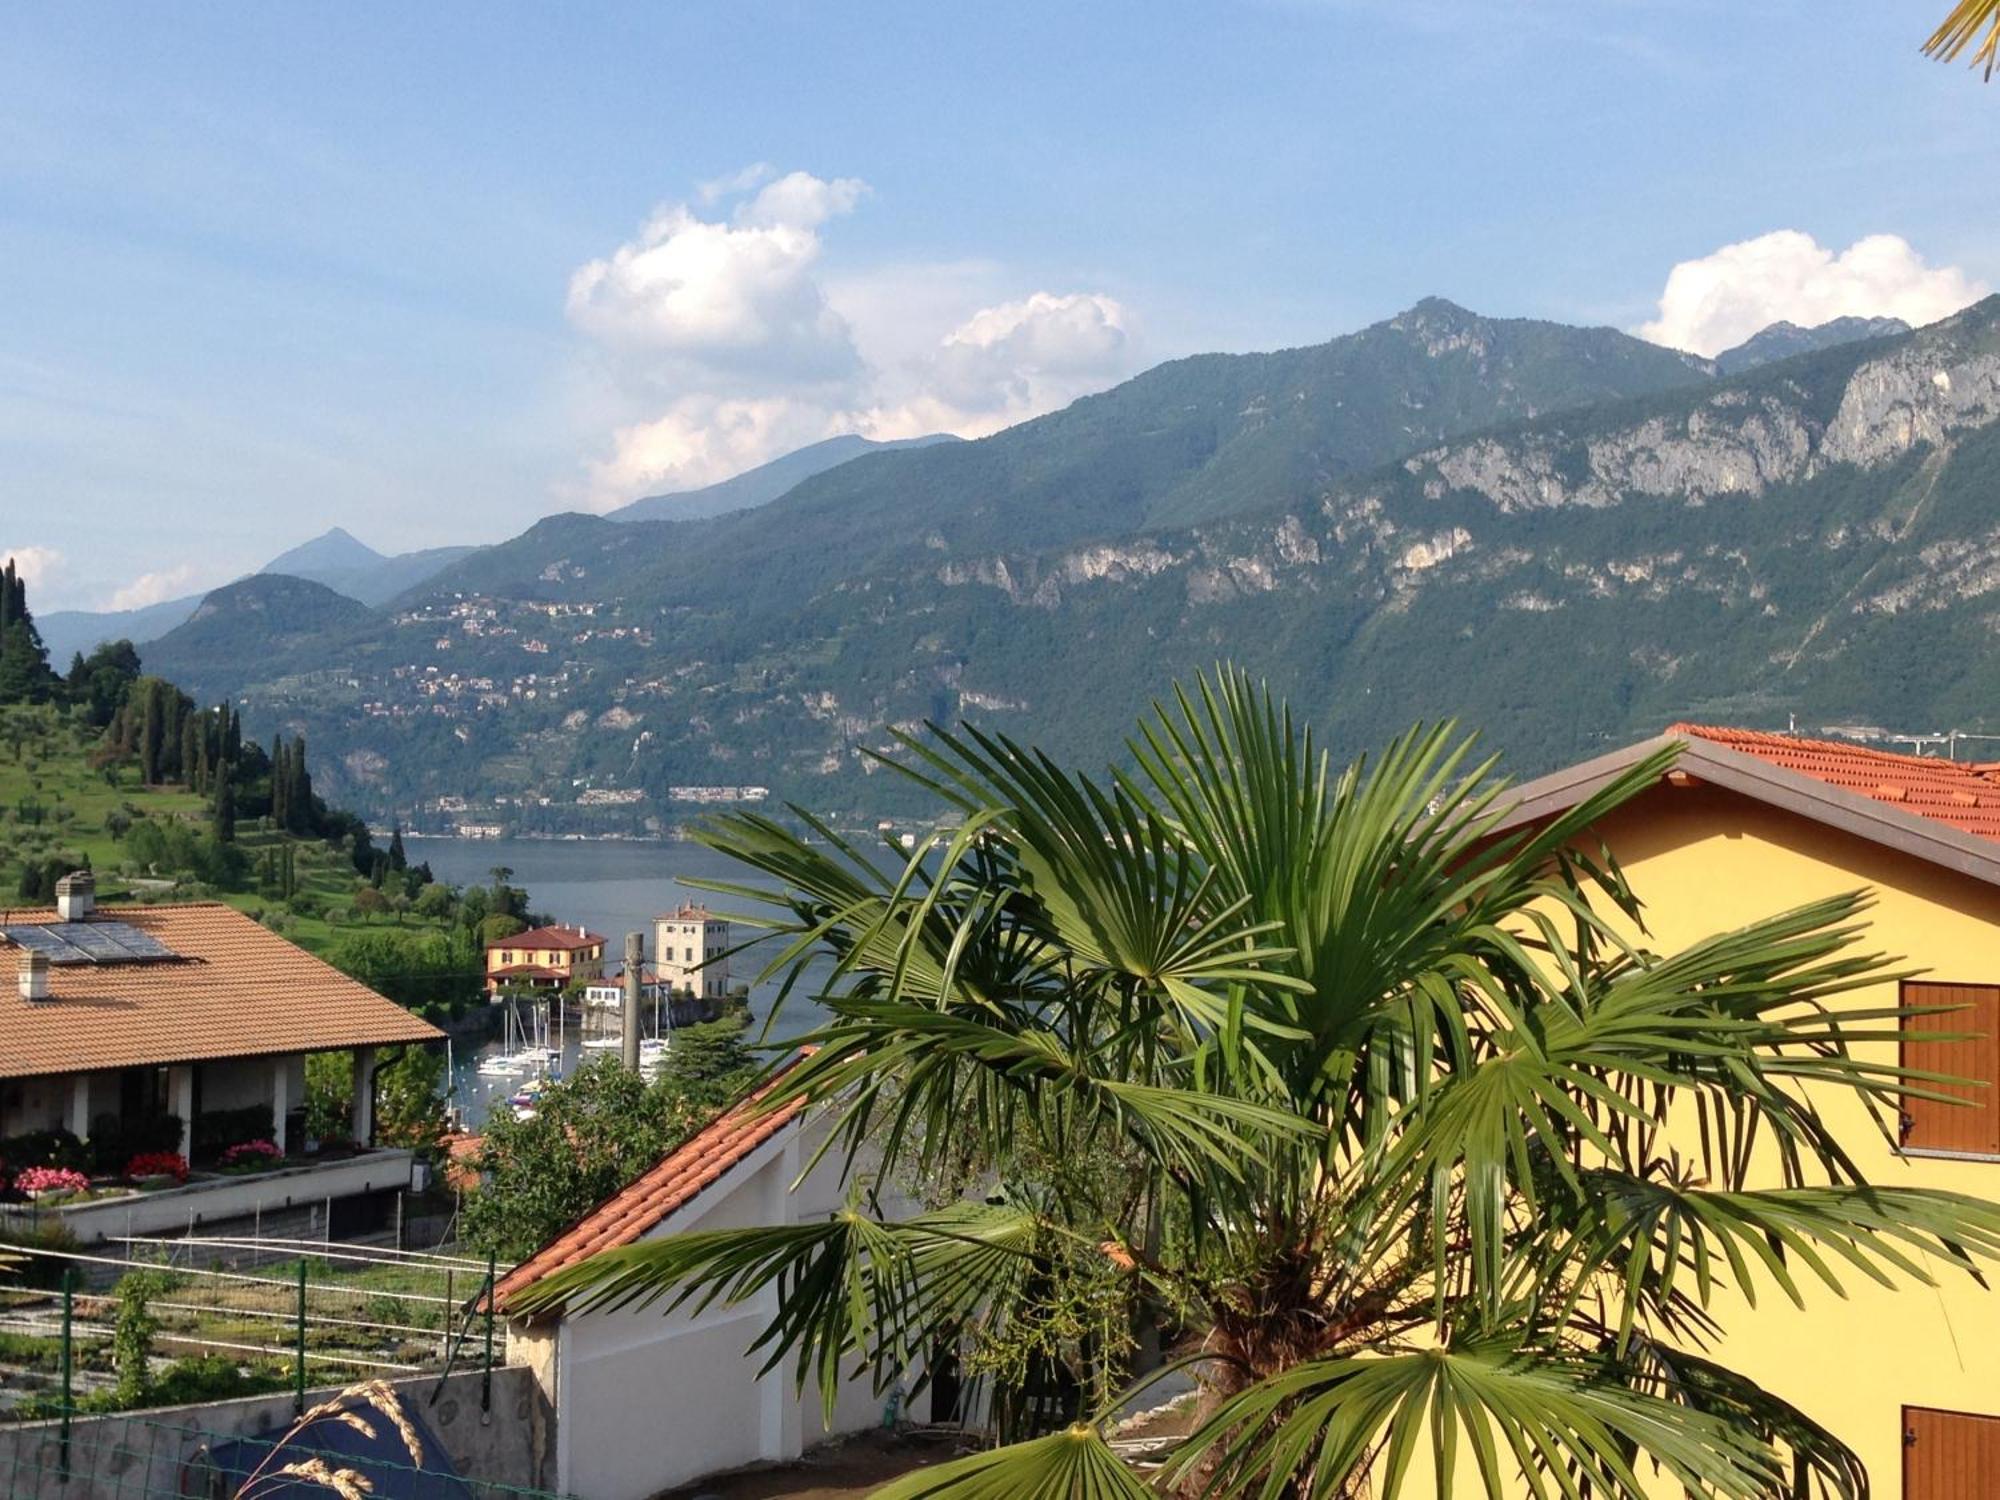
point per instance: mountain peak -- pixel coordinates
(1783, 339)
(332, 551)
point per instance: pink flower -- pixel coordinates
(34, 1180)
(251, 1151)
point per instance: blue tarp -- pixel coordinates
(251, 1468)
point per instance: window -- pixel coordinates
(690, 955)
(1972, 1128)
(1950, 1455)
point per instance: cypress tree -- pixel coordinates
(302, 788)
(280, 816)
(398, 860)
(225, 811)
(152, 732)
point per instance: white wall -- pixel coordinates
(647, 1400)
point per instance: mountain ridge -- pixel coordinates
(1688, 548)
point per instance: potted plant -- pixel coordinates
(50, 1184)
(251, 1156)
(157, 1169)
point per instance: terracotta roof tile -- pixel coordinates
(565, 939)
(642, 1205)
(1958, 794)
(235, 990)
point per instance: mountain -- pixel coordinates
(68, 631)
(1560, 535)
(766, 482)
(333, 551)
(1783, 340)
(334, 558)
(357, 570)
(258, 618)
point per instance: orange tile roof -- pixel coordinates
(641, 1206)
(565, 938)
(236, 990)
(1958, 794)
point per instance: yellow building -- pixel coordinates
(1748, 824)
(690, 945)
(544, 958)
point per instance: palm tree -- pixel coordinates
(1365, 1099)
(1961, 29)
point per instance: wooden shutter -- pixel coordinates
(1933, 1125)
(1950, 1455)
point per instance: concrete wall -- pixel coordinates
(647, 1400)
(142, 1455)
(225, 1200)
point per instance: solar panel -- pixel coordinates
(139, 944)
(89, 942)
(42, 938)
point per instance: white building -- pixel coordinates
(644, 1399)
(688, 948)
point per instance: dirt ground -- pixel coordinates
(838, 1471)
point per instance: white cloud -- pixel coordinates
(38, 565)
(154, 588)
(1719, 300)
(1013, 361)
(701, 439)
(720, 346)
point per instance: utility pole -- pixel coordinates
(635, 957)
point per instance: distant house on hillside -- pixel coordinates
(543, 958)
(126, 1030)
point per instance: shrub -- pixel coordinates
(44, 1148)
(116, 1139)
(216, 1131)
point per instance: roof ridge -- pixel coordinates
(1721, 734)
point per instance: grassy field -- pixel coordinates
(52, 801)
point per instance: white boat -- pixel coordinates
(501, 1065)
(602, 1043)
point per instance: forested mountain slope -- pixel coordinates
(1819, 536)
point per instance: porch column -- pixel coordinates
(364, 1096)
(180, 1103)
(281, 1103)
(79, 1106)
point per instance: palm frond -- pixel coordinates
(1074, 1464)
(1961, 29)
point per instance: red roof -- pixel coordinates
(526, 971)
(636, 1209)
(1960, 794)
(234, 988)
(565, 938)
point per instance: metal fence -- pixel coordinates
(104, 1354)
(157, 1321)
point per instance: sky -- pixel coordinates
(432, 272)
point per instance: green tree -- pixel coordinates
(591, 1134)
(224, 822)
(410, 1099)
(1390, 1094)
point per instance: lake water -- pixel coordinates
(612, 887)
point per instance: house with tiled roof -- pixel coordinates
(1746, 823)
(184, 1028)
(643, 1400)
(543, 958)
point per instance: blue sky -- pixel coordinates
(430, 272)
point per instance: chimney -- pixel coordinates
(76, 895)
(34, 976)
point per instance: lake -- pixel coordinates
(611, 887)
